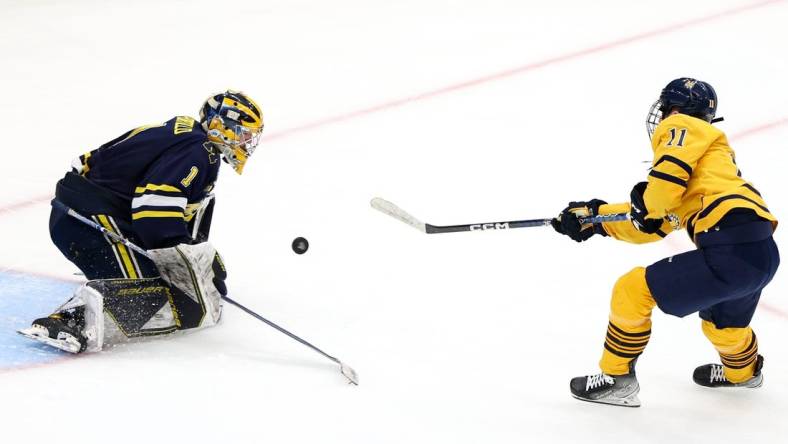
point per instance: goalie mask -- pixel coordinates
(688, 96)
(234, 124)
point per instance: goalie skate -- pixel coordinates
(55, 333)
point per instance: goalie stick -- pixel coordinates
(398, 213)
(348, 372)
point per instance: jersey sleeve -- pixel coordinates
(678, 142)
(625, 231)
(159, 207)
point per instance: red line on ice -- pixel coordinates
(55, 360)
(759, 128)
(516, 71)
(458, 87)
(8, 209)
(475, 82)
(773, 310)
(41, 274)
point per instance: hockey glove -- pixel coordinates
(568, 223)
(638, 211)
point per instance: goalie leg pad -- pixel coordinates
(136, 307)
(114, 311)
(120, 310)
(190, 272)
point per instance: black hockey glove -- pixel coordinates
(638, 211)
(219, 275)
(567, 222)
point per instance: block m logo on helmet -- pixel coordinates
(234, 124)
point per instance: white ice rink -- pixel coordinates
(458, 111)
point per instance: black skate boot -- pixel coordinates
(60, 330)
(712, 375)
(619, 390)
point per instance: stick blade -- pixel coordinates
(349, 373)
(396, 212)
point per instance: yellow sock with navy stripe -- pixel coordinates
(621, 347)
(630, 322)
(738, 349)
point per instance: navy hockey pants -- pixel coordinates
(95, 254)
(722, 279)
(99, 257)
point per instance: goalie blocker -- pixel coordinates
(109, 311)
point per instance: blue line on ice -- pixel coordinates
(23, 298)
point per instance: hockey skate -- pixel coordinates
(712, 375)
(619, 390)
(59, 330)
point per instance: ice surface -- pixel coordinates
(458, 111)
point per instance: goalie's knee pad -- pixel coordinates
(136, 308)
(117, 310)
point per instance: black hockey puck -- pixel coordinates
(300, 245)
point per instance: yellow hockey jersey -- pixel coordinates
(693, 183)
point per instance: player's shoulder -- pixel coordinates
(191, 140)
(675, 128)
(185, 127)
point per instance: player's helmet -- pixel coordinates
(234, 124)
(692, 97)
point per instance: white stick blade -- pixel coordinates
(396, 212)
(349, 373)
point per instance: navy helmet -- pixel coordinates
(689, 96)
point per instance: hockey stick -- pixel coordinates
(396, 212)
(200, 213)
(348, 372)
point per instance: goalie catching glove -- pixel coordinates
(568, 223)
(198, 271)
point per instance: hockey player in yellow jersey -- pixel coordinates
(694, 184)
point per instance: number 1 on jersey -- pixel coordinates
(186, 181)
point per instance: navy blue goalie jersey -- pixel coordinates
(159, 175)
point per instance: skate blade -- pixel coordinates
(747, 385)
(631, 400)
(60, 344)
(753, 383)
